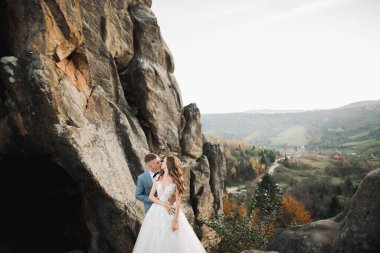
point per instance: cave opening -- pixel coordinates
(41, 208)
(3, 29)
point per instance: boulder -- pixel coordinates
(359, 230)
(316, 236)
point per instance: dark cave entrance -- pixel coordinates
(40, 208)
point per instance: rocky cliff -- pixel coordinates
(355, 229)
(86, 90)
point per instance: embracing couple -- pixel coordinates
(165, 228)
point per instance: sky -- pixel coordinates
(240, 55)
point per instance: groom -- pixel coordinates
(145, 182)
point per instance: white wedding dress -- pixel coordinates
(156, 234)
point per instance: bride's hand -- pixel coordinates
(168, 207)
(175, 225)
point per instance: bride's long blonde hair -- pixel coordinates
(175, 172)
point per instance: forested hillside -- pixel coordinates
(354, 128)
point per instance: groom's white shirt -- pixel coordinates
(151, 174)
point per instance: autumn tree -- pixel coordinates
(229, 207)
(292, 212)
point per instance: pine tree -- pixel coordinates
(250, 224)
(334, 207)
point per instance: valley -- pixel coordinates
(353, 129)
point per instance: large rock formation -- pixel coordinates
(192, 137)
(356, 229)
(202, 198)
(218, 169)
(86, 90)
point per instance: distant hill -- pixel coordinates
(274, 111)
(353, 128)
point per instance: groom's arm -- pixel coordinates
(172, 199)
(140, 192)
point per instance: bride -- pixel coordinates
(162, 231)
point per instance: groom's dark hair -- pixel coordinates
(150, 157)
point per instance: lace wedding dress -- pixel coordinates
(156, 234)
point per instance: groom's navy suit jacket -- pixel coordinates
(143, 187)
